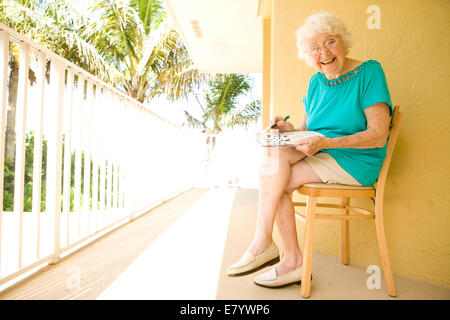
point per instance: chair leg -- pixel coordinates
(382, 246)
(308, 246)
(345, 255)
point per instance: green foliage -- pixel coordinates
(8, 186)
(8, 182)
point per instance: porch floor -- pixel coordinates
(180, 250)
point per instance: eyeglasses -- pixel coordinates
(328, 44)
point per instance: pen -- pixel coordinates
(285, 119)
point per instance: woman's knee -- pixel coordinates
(290, 189)
(290, 154)
(274, 156)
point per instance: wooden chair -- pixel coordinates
(376, 192)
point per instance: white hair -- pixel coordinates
(323, 22)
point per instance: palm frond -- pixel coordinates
(178, 81)
(192, 122)
(151, 13)
(173, 71)
(244, 116)
(157, 48)
(122, 24)
(226, 88)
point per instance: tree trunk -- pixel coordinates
(208, 148)
(10, 148)
(210, 145)
(213, 143)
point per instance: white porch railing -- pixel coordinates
(125, 159)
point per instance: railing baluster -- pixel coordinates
(111, 119)
(137, 160)
(119, 159)
(131, 166)
(116, 156)
(4, 53)
(102, 148)
(68, 151)
(94, 148)
(122, 157)
(123, 160)
(107, 151)
(37, 155)
(127, 162)
(78, 151)
(117, 118)
(54, 156)
(21, 123)
(142, 151)
(87, 153)
(111, 152)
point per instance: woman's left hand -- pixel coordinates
(310, 146)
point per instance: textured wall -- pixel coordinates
(412, 47)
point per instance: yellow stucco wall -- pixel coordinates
(413, 47)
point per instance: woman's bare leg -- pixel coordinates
(301, 173)
(274, 177)
(286, 227)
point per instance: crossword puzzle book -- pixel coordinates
(285, 139)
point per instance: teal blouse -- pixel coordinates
(336, 107)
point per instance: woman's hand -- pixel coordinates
(310, 146)
(281, 125)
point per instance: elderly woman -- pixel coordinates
(348, 102)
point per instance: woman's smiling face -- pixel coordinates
(327, 54)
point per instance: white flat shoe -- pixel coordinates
(271, 280)
(250, 263)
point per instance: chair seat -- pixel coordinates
(336, 186)
(336, 190)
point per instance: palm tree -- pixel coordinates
(137, 40)
(222, 110)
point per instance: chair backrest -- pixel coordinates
(394, 129)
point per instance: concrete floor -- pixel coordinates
(180, 250)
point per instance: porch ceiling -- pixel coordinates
(221, 35)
